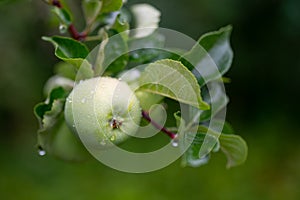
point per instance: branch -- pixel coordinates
(72, 30)
(56, 3)
(158, 126)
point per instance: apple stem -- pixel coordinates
(71, 28)
(146, 116)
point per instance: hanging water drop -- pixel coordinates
(175, 142)
(41, 151)
(63, 28)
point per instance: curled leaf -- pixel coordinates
(235, 149)
(211, 57)
(171, 79)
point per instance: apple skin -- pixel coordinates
(102, 111)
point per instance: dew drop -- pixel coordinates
(113, 138)
(135, 55)
(41, 151)
(175, 142)
(103, 142)
(63, 28)
(83, 100)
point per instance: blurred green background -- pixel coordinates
(263, 109)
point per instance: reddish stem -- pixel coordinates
(75, 34)
(72, 30)
(56, 3)
(158, 126)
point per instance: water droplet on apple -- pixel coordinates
(113, 138)
(69, 100)
(103, 142)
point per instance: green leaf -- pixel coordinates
(111, 57)
(228, 129)
(91, 9)
(120, 25)
(211, 142)
(191, 157)
(214, 51)
(53, 135)
(180, 124)
(171, 79)
(58, 81)
(155, 40)
(48, 111)
(149, 49)
(73, 52)
(111, 5)
(85, 71)
(177, 118)
(63, 15)
(114, 51)
(233, 146)
(192, 141)
(100, 57)
(60, 142)
(213, 94)
(235, 149)
(50, 117)
(48, 114)
(68, 50)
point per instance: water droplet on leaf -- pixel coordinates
(135, 55)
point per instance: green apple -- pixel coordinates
(103, 111)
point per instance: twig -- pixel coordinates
(72, 30)
(156, 125)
